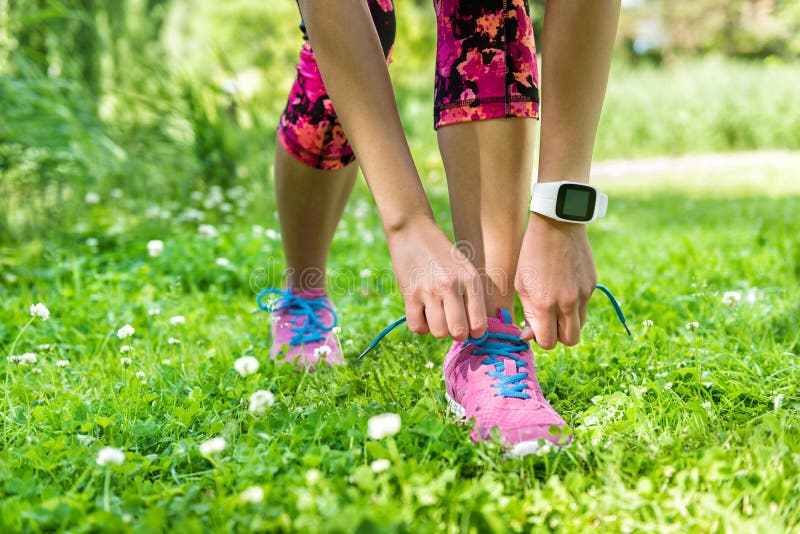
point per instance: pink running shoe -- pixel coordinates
(302, 327)
(493, 380)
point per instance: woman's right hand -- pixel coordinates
(442, 290)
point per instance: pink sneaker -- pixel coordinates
(302, 327)
(493, 380)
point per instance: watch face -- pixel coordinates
(576, 202)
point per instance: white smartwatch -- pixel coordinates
(573, 202)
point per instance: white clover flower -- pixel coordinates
(28, 357)
(692, 325)
(155, 247)
(380, 465)
(173, 341)
(153, 311)
(429, 365)
(271, 234)
(125, 348)
(212, 446)
(116, 193)
(313, 476)
(252, 495)
(778, 401)
(322, 351)
(176, 320)
(668, 385)
(383, 425)
(256, 230)
(246, 365)
(365, 273)
(140, 375)
(36, 370)
(349, 342)
(731, 298)
(647, 323)
(706, 405)
(110, 456)
(197, 196)
(124, 362)
(40, 310)
(222, 262)
(336, 330)
(229, 86)
(125, 331)
(91, 198)
(207, 231)
(91, 242)
(62, 363)
(260, 401)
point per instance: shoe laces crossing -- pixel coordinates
(312, 329)
(499, 348)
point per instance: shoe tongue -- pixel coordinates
(312, 293)
(503, 324)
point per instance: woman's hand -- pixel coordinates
(442, 289)
(555, 278)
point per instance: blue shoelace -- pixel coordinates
(313, 329)
(496, 345)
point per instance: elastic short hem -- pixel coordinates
(317, 161)
(487, 108)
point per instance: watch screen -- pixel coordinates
(576, 202)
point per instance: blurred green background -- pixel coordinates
(161, 97)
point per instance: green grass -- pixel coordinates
(676, 430)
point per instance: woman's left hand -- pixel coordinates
(555, 279)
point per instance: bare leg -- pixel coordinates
(310, 204)
(488, 165)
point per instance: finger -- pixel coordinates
(415, 318)
(544, 324)
(569, 327)
(456, 316)
(476, 308)
(582, 313)
(583, 305)
(437, 322)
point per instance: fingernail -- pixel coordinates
(526, 334)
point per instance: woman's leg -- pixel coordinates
(310, 203)
(315, 167)
(489, 165)
(486, 101)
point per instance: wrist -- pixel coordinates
(401, 223)
(544, 223)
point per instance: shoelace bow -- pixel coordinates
(313, 329)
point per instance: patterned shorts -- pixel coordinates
(485, 69)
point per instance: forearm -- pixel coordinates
(577, 43)
(353, 67)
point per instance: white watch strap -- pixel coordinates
(545, 194)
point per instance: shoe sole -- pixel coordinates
(517, 451)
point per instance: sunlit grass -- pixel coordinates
(676, 429)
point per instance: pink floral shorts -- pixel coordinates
(485, 69)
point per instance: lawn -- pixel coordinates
(688, 425)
